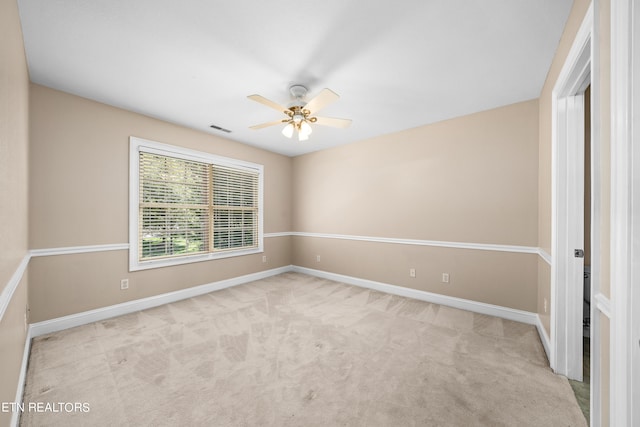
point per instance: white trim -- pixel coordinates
(104, 248)
(136, 145)
(12, 285)
(596, 400)
(545, 256)
(625, 213)
(595, 344)
(169, 262)
(634, 256)
(568, 203)
(15, 416)
(189, 154)
(463, 304)
(79, 249)
(544, 336)
(416, 242)
(98, 314)
(280, 234)
(5, 300)
(603, 304)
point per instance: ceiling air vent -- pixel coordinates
(219, 128)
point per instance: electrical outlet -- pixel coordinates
(412, 272)
(124, 284)
(264, 258)
(545, 305)
(445, 277)
(317, 258)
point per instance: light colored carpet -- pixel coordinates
(295, 350)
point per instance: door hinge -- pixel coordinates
(578, 253)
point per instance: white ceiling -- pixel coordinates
(396, 65)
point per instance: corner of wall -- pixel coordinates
(14, 256)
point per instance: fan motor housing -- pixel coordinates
(298, 91)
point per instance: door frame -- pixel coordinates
(568, 201)
(625, 212)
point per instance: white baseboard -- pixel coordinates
(61, 323)
(78, 319)
(463, 304)
(544, 337)
(15, 415)
(86, 317)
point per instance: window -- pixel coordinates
(188, 206)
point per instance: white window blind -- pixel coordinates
(235, 208)
(174, 206)
(194, 208)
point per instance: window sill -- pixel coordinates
(135, 265)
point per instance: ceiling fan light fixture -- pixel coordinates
(288, 130)
(300, 114)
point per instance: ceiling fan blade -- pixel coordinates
(264, 101)
(265, 125)
(321, 100)
(333, 122)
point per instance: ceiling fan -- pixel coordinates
(300, 114)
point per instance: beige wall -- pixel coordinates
(544, 294)
(14, 104)
(62, 285)
(79, 171)
(500, 278)
(469, 179)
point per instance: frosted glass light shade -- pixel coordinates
(303, 136)
(305, 128)
(288, 130)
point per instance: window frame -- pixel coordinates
(136, 145)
